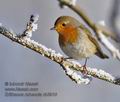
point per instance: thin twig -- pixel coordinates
(114, 18)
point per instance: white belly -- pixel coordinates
(80, 50)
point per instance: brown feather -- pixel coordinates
(99, 51)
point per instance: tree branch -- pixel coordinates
(115, 18)
(97, 28)
(70, 67)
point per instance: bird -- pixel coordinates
(75, 40)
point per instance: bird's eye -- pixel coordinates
(63, 24)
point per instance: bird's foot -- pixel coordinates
(85, 72)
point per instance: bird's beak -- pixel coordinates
(53, 28)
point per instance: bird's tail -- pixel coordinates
(102, 55)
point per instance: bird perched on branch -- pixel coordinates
(75, 40)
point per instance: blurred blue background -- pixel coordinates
(19, 64)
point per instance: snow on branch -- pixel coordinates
(71, 68)
(115, 52)
(101, 31)
(31, 26)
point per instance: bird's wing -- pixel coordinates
(94, 41)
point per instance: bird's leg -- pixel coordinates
(84, 67)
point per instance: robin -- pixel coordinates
(75, 40)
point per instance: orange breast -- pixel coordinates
(68, 35)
